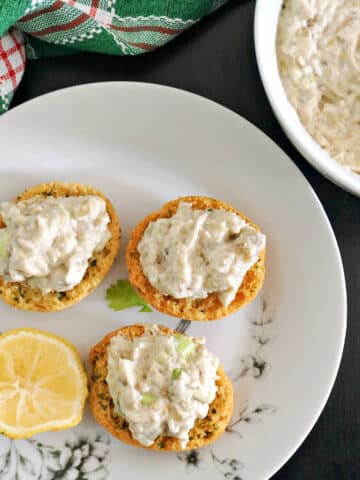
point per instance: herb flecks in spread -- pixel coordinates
(48, 242)
(161, 383)
(318, 49)
(198, 252)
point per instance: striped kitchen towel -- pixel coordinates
(31, 29)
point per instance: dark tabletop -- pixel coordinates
(216, 59)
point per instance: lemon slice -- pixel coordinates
(43, 385)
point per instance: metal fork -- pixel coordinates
(183, 326)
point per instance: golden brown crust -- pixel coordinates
(21, 295)
(209, 308)
(205, 431)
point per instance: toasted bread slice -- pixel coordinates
(209, 308)
(25, 297)
(205, 430)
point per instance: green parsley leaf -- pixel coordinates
(121, 295)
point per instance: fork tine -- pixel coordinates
(182, 326)
(179, 327)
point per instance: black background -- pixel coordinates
(216, 59)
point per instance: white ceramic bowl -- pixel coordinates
(265, 27)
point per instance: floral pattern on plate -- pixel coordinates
(86, 457)
(255, 365)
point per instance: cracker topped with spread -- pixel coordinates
(156, 389)
(57, 242)
(197, 258)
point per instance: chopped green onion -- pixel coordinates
(4, 243)
(184, 346)
(163, 358)
(176, 373)
(148, 398)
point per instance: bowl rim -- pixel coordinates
(286, 114)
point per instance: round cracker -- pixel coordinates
(23, 296)
(205, 430)
(203, 309)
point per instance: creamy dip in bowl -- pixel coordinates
(265, 31)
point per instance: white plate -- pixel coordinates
(265, 28)
(145, 144)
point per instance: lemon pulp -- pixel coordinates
(43, 385)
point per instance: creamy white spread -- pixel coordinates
(198, 252)
(49, 241)
(161, 383)
(318, 49)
